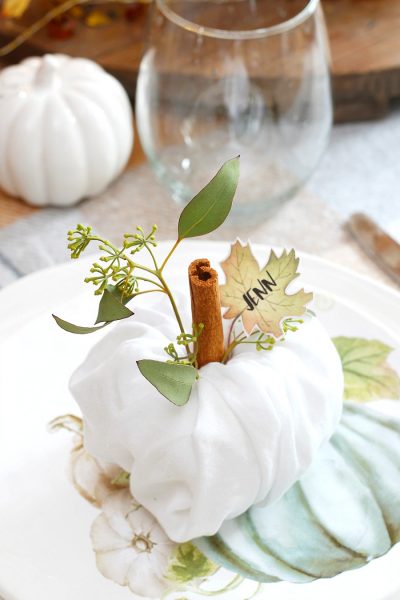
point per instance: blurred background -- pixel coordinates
(204, 87)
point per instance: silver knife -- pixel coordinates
(382, 248)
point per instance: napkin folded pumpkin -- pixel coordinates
(252, 426)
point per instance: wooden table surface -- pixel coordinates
(364, 38)
(365, 41)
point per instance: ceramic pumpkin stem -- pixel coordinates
(206, 309)
(47, 72)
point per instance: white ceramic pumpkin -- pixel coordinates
(251, 427)
(65, 129)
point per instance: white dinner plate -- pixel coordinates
(45, 549)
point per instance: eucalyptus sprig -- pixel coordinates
(259, 339)
(118, 278)
(185, 339)
(117, 265)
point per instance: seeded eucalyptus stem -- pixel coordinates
(152, 282)
(158, 273)
(263, 342)
(231, 343)
(153, 258)
(230, 348)
(149, 292)
(121, 268)
(232, 327)
(173, 303)
(170, 253)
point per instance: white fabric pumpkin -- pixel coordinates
(65, 129)
(249, 431)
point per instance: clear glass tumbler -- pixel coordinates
(220, 78)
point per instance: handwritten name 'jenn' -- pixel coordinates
(254, 295)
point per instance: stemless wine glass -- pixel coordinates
(220, 78)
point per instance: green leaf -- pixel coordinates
(111, 307)
(367, 375)
(71, 328)
(171, 380)
(188, 563)
(209, 209)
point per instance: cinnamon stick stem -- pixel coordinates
(206, 309)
